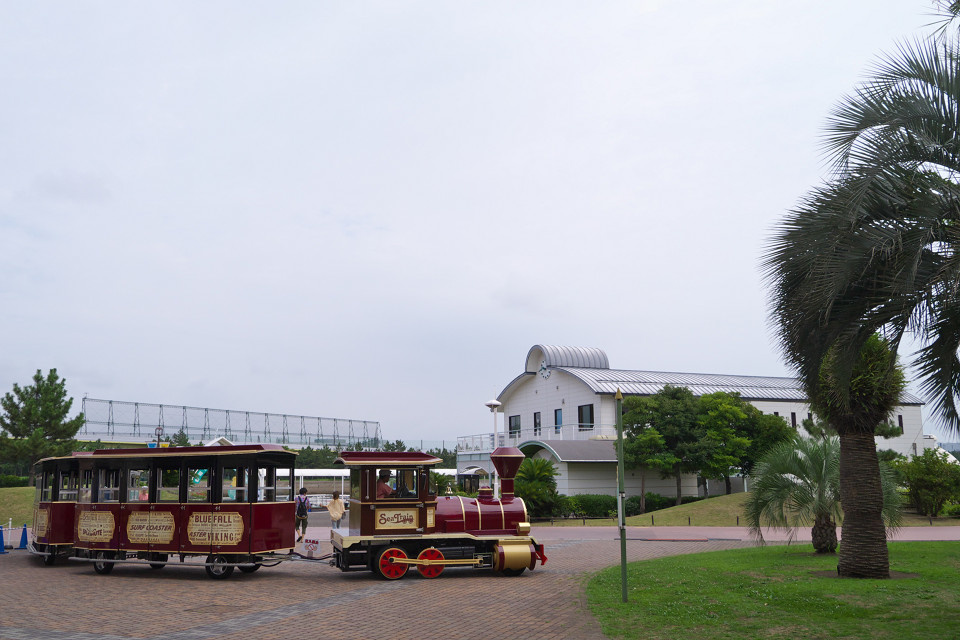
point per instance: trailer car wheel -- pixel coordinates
(51, 556)
(391, 570)
(217, 567)
(250, 568)
(510, 573)
(161, 561)
(101, 567)
(430, 570)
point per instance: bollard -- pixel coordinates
(3, 548)
(651, 521)
(23, 538)
(688, 521)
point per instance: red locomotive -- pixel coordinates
(228, 504)
(397, 523)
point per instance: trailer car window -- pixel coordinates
(168, 485)
(139, 488)
(86, 486)
(198, 489)
(109, 489)
(68, 486)
(235, 483)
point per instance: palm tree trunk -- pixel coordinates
(824, 534)
(863, 539)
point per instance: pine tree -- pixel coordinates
(34, 422)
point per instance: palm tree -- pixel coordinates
(876, 250)
(797, 483)
(536, 483)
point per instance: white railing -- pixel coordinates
(484, 441)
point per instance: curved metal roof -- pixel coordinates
(591, 367)
(576, 450)
(560, 356)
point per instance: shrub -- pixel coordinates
(13, 481)
(592, 505)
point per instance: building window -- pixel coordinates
(900, 422)
(585, 417)
(514, 426)
(793, 419)
(557, 420)
(536, 423)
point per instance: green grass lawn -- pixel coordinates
(16, 503)
(781, 592)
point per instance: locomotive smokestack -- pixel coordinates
(506, 460)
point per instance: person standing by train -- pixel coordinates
(336, 509)
(303, 508)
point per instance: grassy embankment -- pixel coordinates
(719, 511)
(16, 503)
(781, 593)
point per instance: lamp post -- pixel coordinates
(159, 433)
(621, 496)
(493, 405)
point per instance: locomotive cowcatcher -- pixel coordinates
(396, 522)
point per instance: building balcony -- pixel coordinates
(483, 442)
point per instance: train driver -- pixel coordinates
(383, 488)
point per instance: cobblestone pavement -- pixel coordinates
(303, 599)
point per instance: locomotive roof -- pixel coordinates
(386, 458)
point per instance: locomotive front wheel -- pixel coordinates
(510, 573)
(430, 570)
(389, 569)
(218, 567)
(161, 561)
(100, 565)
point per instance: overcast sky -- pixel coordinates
(372, 210)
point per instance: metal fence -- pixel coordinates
(114, 420)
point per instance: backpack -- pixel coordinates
(302, 507)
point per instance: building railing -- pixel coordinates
(484, 441)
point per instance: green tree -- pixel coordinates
(536, 484)
(180, 439)
(643, 448)
(764, 431)
(874, 249)
(34, 422)
(397, 445)
(672, 411)
(449, 457)
(931, 480)
(723, 417)
(322, 458)
(797, 483)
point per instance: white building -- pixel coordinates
(562, 407)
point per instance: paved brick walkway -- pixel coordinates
(312, 600)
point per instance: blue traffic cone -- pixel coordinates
(3, 548)
(23, 538)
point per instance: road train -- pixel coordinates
(232, 507)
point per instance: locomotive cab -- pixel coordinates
(390, 493)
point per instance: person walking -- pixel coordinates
(303, 508)
(336, 509)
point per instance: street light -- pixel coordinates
(493, 405)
